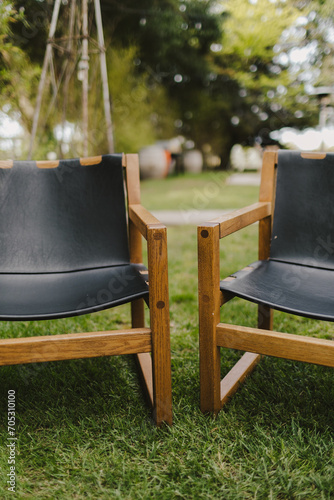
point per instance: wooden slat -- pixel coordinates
(137, 313)
(265, 228)
(267, 185)
(6, 163)
(267, 193)
(135, 244)
(132, 178)
(131, 162)
(243, 217)
(232, 381)
(265, 317)
(313, 156)
(142, 218)
(225, 297)
(91, 160)
(145, 365)
(280, 345)
(47, 164)
(74, 346)
(138, 321)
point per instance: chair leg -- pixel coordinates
(209, 365)
(160, 324)
(209, 313)
(161, 366)
(265, 317)
(137, 314)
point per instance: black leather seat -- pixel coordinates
(63, 240)
(305, 291)
(64, 251)
(27, 295)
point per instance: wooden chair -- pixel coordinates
(294, 273)
(71, 246)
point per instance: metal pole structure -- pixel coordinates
(68, 69)
(41, 85)
(84, 66)
(104, 77)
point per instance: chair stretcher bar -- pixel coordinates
(280, 345)
(74, 346)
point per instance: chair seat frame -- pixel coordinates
(213, 334)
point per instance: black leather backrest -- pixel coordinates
(303, 230)
(62, 219)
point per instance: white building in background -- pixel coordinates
(245, 158)
(309, 139)
(318, 139)
(11, 137)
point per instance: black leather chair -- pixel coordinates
(294, 273)
(71, 245)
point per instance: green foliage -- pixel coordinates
(180, 35)
(31, 33)
(261, 88)
(136, 103)
(172, 36)
(8, 15)
(9, 54)
(217, 72)
(319, 32)
(17, 75)
(252, 29)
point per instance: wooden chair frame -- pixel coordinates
(214, 393)
(151, 345)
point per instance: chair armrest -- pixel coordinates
(209, 234)
(143, 219)
(241, 218)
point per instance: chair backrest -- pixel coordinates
(62, 216)
(303, 228)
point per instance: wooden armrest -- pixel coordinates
(143, 219)
(243, 217)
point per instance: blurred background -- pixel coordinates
(194, 84)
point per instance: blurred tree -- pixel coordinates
(135, 102)
(225, 63)
(254, 85)
(216, 71)
(317, 37)
(173, 36)
(17, 75)
(169, 27)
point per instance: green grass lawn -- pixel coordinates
(190, 191)
(84, 430)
